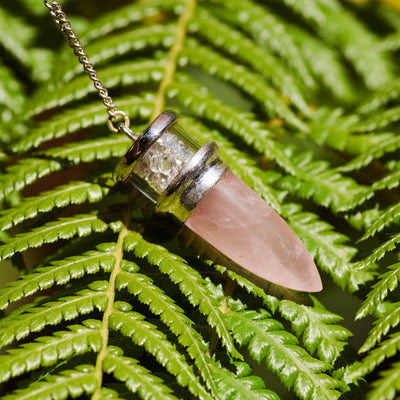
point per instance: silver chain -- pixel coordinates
(69, 34)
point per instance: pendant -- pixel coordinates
(219, 215)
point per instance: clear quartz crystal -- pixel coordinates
(163, 161)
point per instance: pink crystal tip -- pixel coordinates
(239, 226)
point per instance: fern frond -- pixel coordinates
(249, 82)
(386, 387)
(268, 30)
(267, 341)
(172, 316)
(59, 273)
(379, 252)
(136, 378)
(325, 185)
(189, 281)
(16, 36)
(64, 228)
(390, 318)
(341, 132)
(382, 220)
(117, 45)
(381, 97)
(389, 181)
(391, 42)
(73, 120)
(61, 196)
(48, 350)
(27, 171)
(132, 324)
(11, 91)
(19, 325)
(241, 386)
(325, 64)
(339, 27)
(131, 13)
(236, 44)
(70, 383)
(91, 150)
(78, 88)
(387, 283)
(317, 327)
(386, 349)
(386, 143)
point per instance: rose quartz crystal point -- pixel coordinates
(238, 224)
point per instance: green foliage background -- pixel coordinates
(303, 98)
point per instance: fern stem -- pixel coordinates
(119, 251)
(170, 67)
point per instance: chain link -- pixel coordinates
(69, 34)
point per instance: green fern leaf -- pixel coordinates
(59, 273)
(325, 64)
(74, 120)
(48, 350)
(78, 88)
(268, 30)
(389, 181)
(91, 150)
(131, 324)
(390, 318)
(387, 283)
(387, 143)
(386, 349)
(391, 42)
(339, 27)
(190, 283)
(16, 326)
(386, 387)
(27, 171)
(381, 97)
(11, 91)
(136, 378)
(117, 45)
(317, 327)
(131, 13)
(241, 386)
(381, 221)
(266, 340)
(70, 383)
(173, 316)
(62, 196)
(64, 228)
(212, 63)
(378, 253)
(233, 42)
(16, 36)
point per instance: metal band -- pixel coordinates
(143, 143)
(190, 186)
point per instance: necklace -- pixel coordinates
(218, 214)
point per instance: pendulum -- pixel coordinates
(219, 215)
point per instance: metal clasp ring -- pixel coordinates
(113, 117)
